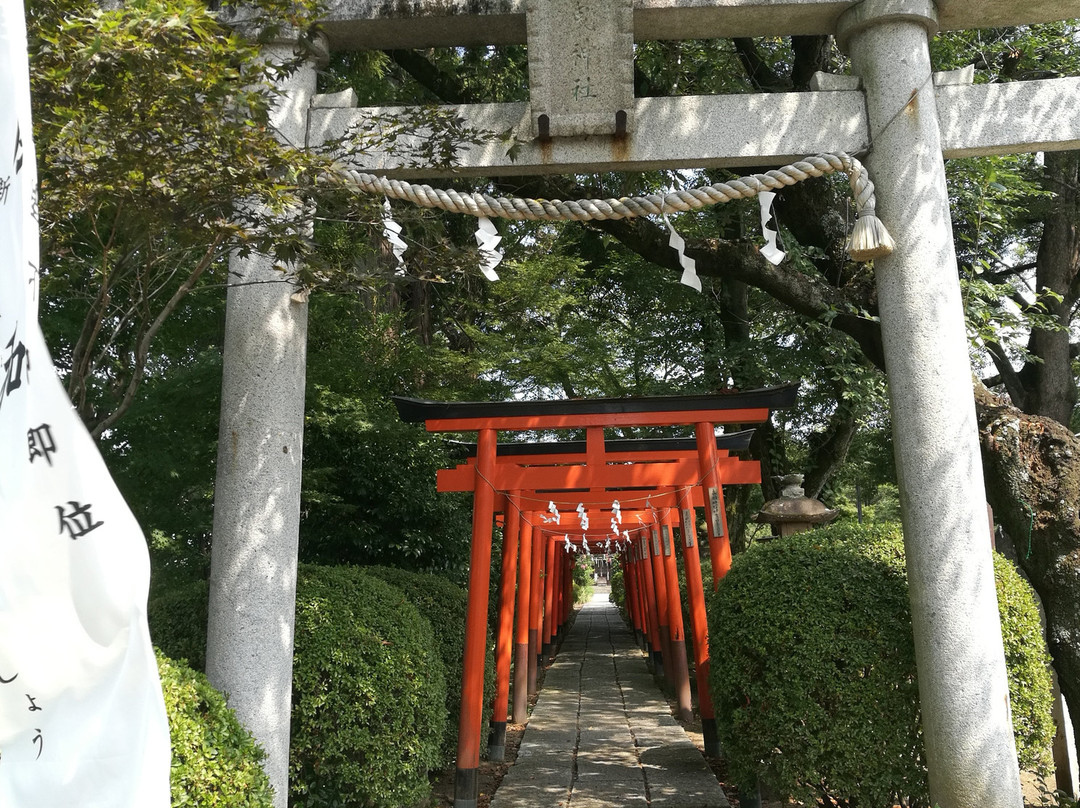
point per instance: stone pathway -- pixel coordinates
(601, 734)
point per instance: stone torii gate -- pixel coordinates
(582, 117)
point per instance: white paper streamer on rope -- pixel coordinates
(583, 516)
(555, 517)
(82, 720)
(772, 252)
(392, 233)
(616, 510)
(488, 238)
(676, 242)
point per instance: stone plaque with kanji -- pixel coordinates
(581, 66)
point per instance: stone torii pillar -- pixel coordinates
(963, 688)
(249, 645)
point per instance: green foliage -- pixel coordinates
(617, 595)
(813, 669)
(369, 693)
(133, 216)
(369, 491)
(1028, 662)
(215, 761)
(445, 605)
(369, 685)
(581, 575)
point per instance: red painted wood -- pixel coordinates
(472, 679)
(551, 573)
(521, 636)
(679, 669)
(661, 589)
(695, 593)
(711, 477)
(536, 602)
(504, 635)
(677, 474)
(649, 591)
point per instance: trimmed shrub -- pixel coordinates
(369, 689)
(369, 693)
(617, 595)
(581, 573)
(215, 761)
(445, 605)
(813, 669)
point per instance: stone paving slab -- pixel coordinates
(601, 734)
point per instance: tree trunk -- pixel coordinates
(1032, 469)
(1050, 387)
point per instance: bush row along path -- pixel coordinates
(601, 734)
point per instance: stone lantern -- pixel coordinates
(793, 511)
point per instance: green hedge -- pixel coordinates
(813, 668)
(215, 761)
(581, 573)
(445, 605)
(369, 693)
(1028, 662)
(369, 688)
(617, 595)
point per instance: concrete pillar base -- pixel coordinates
(658, 663)
(497, 742)
(748, 797)
(712, 742)
(466, 788)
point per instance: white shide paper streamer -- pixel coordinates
(771, 251)
(488, 238)
(676, 242)
(392, 233)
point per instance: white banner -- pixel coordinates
(82, 721)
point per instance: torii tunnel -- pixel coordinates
(626, 496)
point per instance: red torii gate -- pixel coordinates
(642, 508)
(499, 481)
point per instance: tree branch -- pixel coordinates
(761, 76)
(1009, 377)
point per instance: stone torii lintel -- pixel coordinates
(733, 131)
(373, 24)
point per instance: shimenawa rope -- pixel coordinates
(869, 239)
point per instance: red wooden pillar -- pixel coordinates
(504, 637)
(695, 593)
(521, 637)
(634, 588)
(680, 670)
(651, 603)
(568, 591)
(630, 593)
(715, 518)
(642, 595)
(466, 784)
(558, 598)
(536, 602)
(661, 589)
(551, 569)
